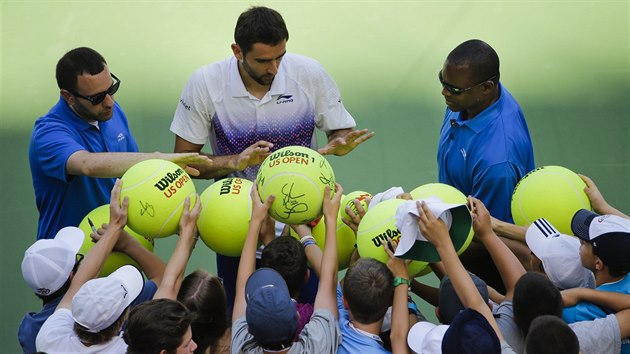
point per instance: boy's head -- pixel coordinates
(48, 263)
(449, 303)
(469, 332)
(550, 335)
(606, 239)
(286, 255)
(558, 255)
(270, 313)
(535, 295)
(102, 302)
(157, 326)
(368, 290)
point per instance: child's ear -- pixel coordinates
(599, 264)
(307, 276)
(438, 314)
(344, 302)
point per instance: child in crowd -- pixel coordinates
(264, 316)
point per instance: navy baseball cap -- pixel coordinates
(609, 235)
(271, 313)
(470, 332)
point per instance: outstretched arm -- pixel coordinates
(612, 300)
(327, 290)
(225, 164)
(115, 164)
(247, 264)
(436, 232)
(400, 312)
(508, 230)
(96, 256)
(151, 264)
(507, 263)
(343, 141)
(599, 204)
(313, 252)
(174, 273)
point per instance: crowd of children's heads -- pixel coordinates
(190, 314)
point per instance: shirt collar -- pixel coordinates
(485, 117)
(72, 118)
(237, 87)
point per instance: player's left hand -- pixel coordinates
(342, 145)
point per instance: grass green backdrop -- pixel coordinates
(566, 62)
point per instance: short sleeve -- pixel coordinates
(330, 112)
(193, 115)
(53, 145)
(600, 336)
(321, 334)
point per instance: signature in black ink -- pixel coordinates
(327, 180)
(147, 208)
(291, 202)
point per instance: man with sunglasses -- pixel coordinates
(484, 147)
(82, 143)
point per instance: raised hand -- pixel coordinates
(355, 219)
(186, 160)
(260, 209)
(331, 206)
(342, 145)
(118, 208)
(253, 155)
(432, 228)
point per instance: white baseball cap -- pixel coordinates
(426, 338)
(560, 256)
(100, 302)
(413, 245)
(47, 264)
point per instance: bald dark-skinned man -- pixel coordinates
(485, 147)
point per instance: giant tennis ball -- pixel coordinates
(225, 214)
(100, 216)
(297, 176)
(376, 228)
(451, 195)
(156, 190)
(348, 200)
(551, 192)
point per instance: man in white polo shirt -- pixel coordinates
(257, 101)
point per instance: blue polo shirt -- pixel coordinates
(62, 199)
(487, 155)
(587, 311)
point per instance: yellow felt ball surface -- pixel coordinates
(297, 176)
(100, 216)
(376, 228)
(156, 190)
(551, 192)
(448, 194)
(225, 214)
(348, 200)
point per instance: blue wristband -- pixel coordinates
(308, 243)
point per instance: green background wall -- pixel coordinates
(565, 61)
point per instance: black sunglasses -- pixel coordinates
(458, 91)
(99, 97)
